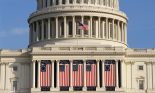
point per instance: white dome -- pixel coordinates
(57, 22)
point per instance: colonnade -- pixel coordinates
(107, 3)
(98, 63)
(67, 27)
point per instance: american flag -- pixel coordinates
(110, 73)
(64, 74)
(77, 76)
(91, 74)
(45, 73)
(82, 26)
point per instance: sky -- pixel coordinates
(14, 26)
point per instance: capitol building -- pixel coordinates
(77, 46)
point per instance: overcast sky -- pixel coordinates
(14, 26)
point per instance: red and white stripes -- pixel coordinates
(110, 75)
(64, 75)
(91, 75)
(77, 76)
(45, 76)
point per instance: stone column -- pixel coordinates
(58, 74)
(49, 29)
(39, 62)
(89, 28)
(153, 73)
(107, 29)
(56, 22)
(71, 72)
(98, 74)
(84, 66)
(149, 78)
(34, 67)
(96, 27)
(123, 71)
(99, 27)
(67, 1)
(73, 24)
(60, 2)
(125, 29)
(65, 32)
(42, 30)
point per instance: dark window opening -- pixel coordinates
(91, 88)
(62, 28)
(77, 88)
(64, 88)
(63, 1)
(70, 28)
(110, 88)
(55, 74)
(100, 72)
(36, 74)
(45, 88)
(119, 74)
(57, 2)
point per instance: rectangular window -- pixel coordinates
(140, 68)
(111, 30)
(141, 84)
(15, 68)
(71, 1)
(70, 27)
(63, 1)
(14, 86)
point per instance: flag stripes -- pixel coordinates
(91, 74)
(77, 75)
(64, 74)
(45, 74)
(110, 74)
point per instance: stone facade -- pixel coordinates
(55, 36)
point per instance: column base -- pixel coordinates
(70, 88)
(54, 89)
(100, 89)
(35, 89)
(84, 88)
(119, 89)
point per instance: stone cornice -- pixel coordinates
(78, 8)
(140, 53)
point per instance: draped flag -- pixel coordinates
(77, 75)
(91, 74)
(82, 26)
(110, 73)
(45, 73)
(64, 74)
